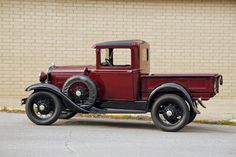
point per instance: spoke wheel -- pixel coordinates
(81, 90)
(43, 108)
(170, 112)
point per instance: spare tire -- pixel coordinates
(81, 90)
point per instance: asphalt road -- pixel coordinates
(88, 137)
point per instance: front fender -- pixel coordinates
(55, 90)
(172, 88)
(43, 86)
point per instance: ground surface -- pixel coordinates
(85, 137)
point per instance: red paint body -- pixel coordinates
(130, 83)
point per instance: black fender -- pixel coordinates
(55, 90)
(172, 88)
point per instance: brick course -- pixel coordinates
(185, 36)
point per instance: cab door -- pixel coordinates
(115, 75)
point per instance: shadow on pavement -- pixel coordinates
(139, 124)
(107, 123)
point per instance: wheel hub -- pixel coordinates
(42, 107)
(169, 113)
(78, 93)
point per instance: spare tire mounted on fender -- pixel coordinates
(81, 90)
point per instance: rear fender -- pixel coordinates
(55, 90)
(172, 88)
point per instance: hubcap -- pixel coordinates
(78, 93)
(41, 107)
(168, 113)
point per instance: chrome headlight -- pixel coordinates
(42, 77)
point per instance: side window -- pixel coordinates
(116, 57)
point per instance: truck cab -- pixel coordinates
(119, 65)
(120, 82)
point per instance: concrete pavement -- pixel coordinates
(89, 137)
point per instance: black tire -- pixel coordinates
(51, 105)
(170, 121)
(192, 116)
(67, 114)
(85, 86)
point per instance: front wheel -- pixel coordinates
(43, 108)
(170, 112)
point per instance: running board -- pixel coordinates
(110, 110)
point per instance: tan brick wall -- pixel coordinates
(185, 36)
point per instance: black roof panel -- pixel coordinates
(119, 43)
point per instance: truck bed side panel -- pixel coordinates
(200, 86)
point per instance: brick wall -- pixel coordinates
(185, 36)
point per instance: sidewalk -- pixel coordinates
(216, 109)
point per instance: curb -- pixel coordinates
(233, 120)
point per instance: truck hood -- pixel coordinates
(68, 69)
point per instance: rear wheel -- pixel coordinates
(170, 112)
(192, 116)
(43, 108)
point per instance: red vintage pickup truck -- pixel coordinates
(120, 83)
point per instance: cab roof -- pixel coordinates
(119, 43)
